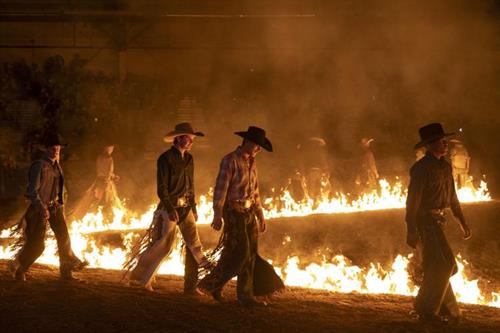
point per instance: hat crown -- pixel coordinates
(431, 131)
(52, 139)
(257, 135)
(256, 132)
(184, 127)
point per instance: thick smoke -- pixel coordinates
(338, 70)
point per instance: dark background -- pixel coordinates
(127, 71)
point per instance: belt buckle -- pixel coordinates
(181, 202)
(247, 203)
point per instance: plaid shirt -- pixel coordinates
(237, 180)
(431, 187)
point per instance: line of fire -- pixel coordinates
(219, 165)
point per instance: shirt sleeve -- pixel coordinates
(258, 203)
(192, 198)
(162, 184)
(414, 199)
(34, 181)
(455, 204)
(222, 184)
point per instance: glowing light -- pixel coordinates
(337, 274)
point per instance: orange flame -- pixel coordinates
(338, 274)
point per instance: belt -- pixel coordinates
(52, 204)
(241, 205)
(441, 212)
(182, 202)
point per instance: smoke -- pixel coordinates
(338, 70)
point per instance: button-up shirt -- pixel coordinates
(431, 187)
(45, 182)
(237, 180)
(175, 175)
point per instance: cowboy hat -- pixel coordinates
(257, 135)
(430, 133)
(181, 129)
(53, 139)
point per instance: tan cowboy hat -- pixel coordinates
(181, 129)
(367, 141)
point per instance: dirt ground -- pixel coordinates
(100, 302)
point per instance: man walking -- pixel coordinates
(237, 204)
(45, 191)
(102, 192)
(177, 207)
(431, 194)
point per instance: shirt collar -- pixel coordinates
(433, 158)
(45, 158)
(177, 153)
(239, 153)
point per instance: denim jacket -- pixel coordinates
(45, 182)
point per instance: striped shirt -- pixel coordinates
(237, 180)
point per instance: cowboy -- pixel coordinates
(45, 191)
(460, 161)
(177, 207)
(431, 193)
(368, 173)
(237, 205)
(313, 156)
(103, 190)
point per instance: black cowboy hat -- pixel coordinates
(53, 139)
(181, 129)
(430, 133)
(257, 135)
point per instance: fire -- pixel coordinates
(387, 197)
(337, 274)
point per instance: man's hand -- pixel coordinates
(262, 226)
(173, 216)
(261, 219)
(412, 237)
(217, 223)
(465, 230)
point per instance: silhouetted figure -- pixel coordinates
(315, 169)
(45, 191)
(431, 193)
(102, 193)
(460, 161)
(237, 205)
(368, 175)
(175, 188)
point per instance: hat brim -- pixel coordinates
(62, 145)
(434, 138)
(170, 136)
(265, 143)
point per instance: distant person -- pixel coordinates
(431, 193)
(45, 191)
(237, 206)
(102, 193)
(313, 157)
(460, 161)
(368, 175)
(419, 153)
(177, 208)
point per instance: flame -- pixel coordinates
(337, 274)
